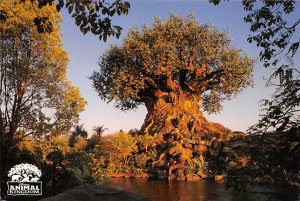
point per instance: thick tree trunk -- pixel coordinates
(178, 115)
(175, 118)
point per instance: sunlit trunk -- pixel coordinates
(177, 115)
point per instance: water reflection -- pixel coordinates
(158, 190)
(174, 191)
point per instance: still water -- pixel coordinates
(158, 190)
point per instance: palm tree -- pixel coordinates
(78, 131)
(99, 130)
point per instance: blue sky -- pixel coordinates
(84, 51)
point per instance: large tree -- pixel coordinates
(35, 96)
(177, 68)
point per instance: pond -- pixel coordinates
(159, 190)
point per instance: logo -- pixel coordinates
(24, 180)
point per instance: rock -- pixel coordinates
(192, 177)
(243, 161)
(215, 148)
(219, 178)
(268, 177)
(265, 179)
(204, 142)
(227, 137)
(187, 145)
(200, 149)
(180, 175)
(238, 133)
(232, 164)
(115, 175)
(192, 141)
(252, 145)
(162, 175)
(213, 139)
(237, 144)
(202, 174)
(227, 150)
(257, 180)
(172, 177)
(95, 193)
(142, 175)
(295, 184)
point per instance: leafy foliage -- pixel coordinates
(35, 96)
(273, 155)
(124, 153)
(63, 166)
(273, 32)
(77, 133)
(90, 16)
(144, 141)
(99, 130)
(195, 164)
(269, 158)
(282, 111)
(122, 147)
(175, 55)
(278, 38)
(36, 99)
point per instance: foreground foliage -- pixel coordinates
(36, 99)
(277, 133)
(90, 16)
(269, 158)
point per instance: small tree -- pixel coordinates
(122, 147)
(172, 67)
(78, 132)
(99, 130)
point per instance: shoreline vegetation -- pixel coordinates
(241, 161)
(242, 155)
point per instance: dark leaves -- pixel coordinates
(293, 49)
(70, 9)
(43, 25)
(272, 32)
(95, 17)
(215, 2)
(90, 16)
(3, 16)
(60, 5)
(281, 111)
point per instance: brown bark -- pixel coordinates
(174, 116)
(177, 113)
